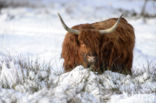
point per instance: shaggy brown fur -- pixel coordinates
(113, 51)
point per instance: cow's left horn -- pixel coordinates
(111, 29)
(73, 31)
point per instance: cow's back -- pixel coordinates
(116, 47)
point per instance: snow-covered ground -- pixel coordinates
(37, 34)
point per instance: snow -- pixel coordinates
(81, 86)
(9, 77)
(34, 37)
(141, 98)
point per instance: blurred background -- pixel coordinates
(131, 8)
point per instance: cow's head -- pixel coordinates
(89, 42)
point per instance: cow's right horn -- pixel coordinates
(111, 29)
(73, 31)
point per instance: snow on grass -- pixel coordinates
(9, 77)
(137, 98)
(41, 83)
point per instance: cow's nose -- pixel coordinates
(91, 59)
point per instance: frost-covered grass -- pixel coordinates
(28, 80)
(25, 75)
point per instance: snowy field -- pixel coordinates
(31, 69)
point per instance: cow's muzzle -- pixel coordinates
(89, 61)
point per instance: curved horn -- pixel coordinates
(111, 29)
(73, 31)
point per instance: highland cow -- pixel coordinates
(100, 46)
